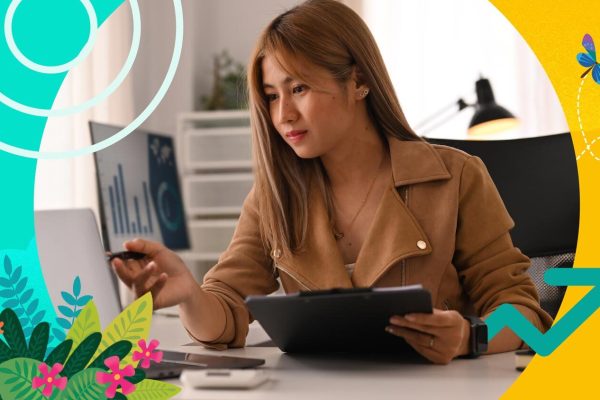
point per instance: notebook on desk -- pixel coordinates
(69, 246)
(338, 320)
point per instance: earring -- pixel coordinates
(364, 93)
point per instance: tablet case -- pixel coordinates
(338, 320)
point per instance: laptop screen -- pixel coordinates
(139, 190)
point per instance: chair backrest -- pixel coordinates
(538, 181)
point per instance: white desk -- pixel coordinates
(316, 378)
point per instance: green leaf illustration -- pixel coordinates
(77, 287)
(68, 298)
(119, 396)
(86, 323)
(139, 376)
(13, 333)
(16, 376)
(38, 342)
(83, 386)
(82, 355)
(120, 349)
(5, 352)
(132, 325)
(149, 389)
(60, 353)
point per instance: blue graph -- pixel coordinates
(121, 222)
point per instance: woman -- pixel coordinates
(346, 195)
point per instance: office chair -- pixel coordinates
(538, 181)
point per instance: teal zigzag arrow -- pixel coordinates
(545, 344)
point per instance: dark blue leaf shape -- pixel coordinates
(16, 275)
(83, 300)
(11, 303)
(7, 265)
(7, 293)
(32, 307)
(66, 311)
(69, 298)
(59, 334)
(64, 323)
(37, 318)
(21, 285)
(77, 287)
(26, 295)
(19, 311)
(5, 283)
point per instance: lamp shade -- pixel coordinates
(489, 117)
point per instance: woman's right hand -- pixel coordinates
(161, 272)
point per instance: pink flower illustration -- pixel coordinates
(48, 379)
(147, 353)
(116, 377)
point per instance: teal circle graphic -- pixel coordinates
(110, 89)
(162, 90)
(45, 69)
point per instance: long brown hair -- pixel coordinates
(332, 36)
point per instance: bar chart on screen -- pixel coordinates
(139, 190)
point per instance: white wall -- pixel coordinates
(210, 27)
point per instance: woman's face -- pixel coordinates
(313, 119)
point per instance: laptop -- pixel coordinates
(69, 247)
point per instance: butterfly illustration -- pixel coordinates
(589, 60)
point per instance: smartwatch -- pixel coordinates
(478, 340)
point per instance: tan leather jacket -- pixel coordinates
(441, 224)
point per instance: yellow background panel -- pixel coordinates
(554, 30)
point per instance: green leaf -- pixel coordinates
(16, 376)
(13, 333)
(5, 352)
(38, 342)
(119, 396)
(149, 389)
(60, 353)
(82, 355)
(82, 386)
(68, 298)
(85, 324)
(137, 315)
(139, 376)
(120, 349)
(77, 287)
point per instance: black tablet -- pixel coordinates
(338, 320)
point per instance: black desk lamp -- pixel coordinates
(489, 117)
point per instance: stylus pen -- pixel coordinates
(126, 255)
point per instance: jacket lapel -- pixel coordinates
(394, 235)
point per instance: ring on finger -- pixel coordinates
(431, 341)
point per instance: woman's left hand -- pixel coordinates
(439, 337)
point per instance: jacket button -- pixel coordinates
(276, 253)
(421, 244)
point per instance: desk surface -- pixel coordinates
(319, 377)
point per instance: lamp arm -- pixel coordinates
(458, 105)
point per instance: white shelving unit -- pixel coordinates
(216, 170)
